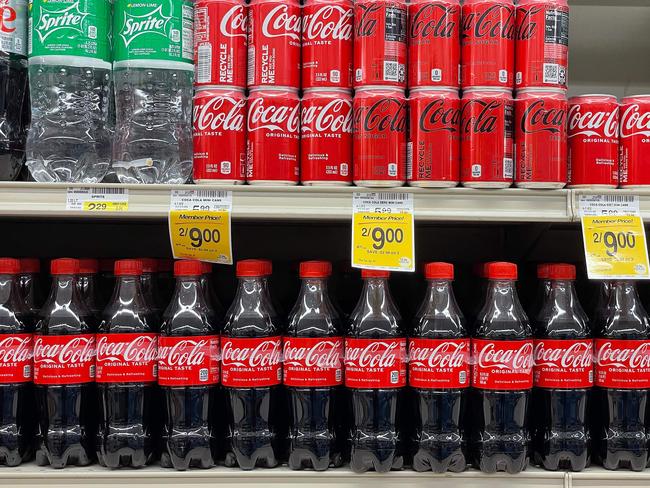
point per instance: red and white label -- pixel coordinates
(439, 363)
(188, 361)
(622, 363)
(64, 359)
(635, 140)
(127, 358)
(563, 363)
(251, 362)
(16, 354)
(502, 365)
(312, 362)
(375, 363)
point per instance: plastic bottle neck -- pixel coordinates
(439, 312)
(502, 313)
(562, 312)
(314, 312)
(128, 292)
(376, 305)
(10, 299)
(624, 313)
(64, 289)
(253, 296)
(188, 294)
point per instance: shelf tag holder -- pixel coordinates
(199, 225)
(382, 231)
(101, 199)
(614, 237)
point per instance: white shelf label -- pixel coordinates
(97, 199)
(600, 205)
(206, 200)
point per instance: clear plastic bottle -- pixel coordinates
(29, 283)
(88, 269)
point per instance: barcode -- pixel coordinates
(109, 191)
(619, 198)
(392, 196)
(204, 64)
(210, 193)
(409, 161)
(251, 65)
(391, 72)
(507, 167)
(551, 73)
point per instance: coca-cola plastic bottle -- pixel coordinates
(563, 376)
(106, 279)
(375, 374)
(502, 376)
(87, 282)
(29, 283)
(543, 289)
(150, 291)
(599, 310)
(188, 373)
(16, 351)
(210, 293)
(622, 348)
(64, 372)
(439, 350)
(313, 373)
(251, 373)
(127, 369)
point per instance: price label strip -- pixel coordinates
(614, 237)
(97, 199)
(382, 231)
(199, 225)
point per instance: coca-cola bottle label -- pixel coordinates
(64, 359)
(16, 355)
(622, 363)
(312, 362)
(251, 362)
(127, 358)
(188, 361)
(563, 363)
(375, 363)
(502, 365)
(439, 363)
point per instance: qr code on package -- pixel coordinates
(551, 73)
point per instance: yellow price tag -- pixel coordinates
(383, 241)
(201, 234)
(99, 206)
(615, 247)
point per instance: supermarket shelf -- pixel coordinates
(32, 476)
(21, 199)
(601, 478)
(644, 200)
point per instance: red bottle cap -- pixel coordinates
(9, 266)
(128, 267)
(106, 265)
(30, 265)
(315, 269)
(500, 270)
(542, 271)
(562, 271)
(64, 266)
(88, 266)
(188, 267)
(165, 265)
(439, 271)
(149, 265)
(252, 268)
(206, 268)
(374, 273)
(268, 267)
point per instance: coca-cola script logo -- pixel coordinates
(510, 359)
(577, 355)
(592, 124)
(538, 118)
(436, 117)
(76, 350)
(634, 122)
(366, 23)
(324, 354)
(444, 355)
(377, 354)
(333, 117)
(139, 349)
(219, 112)
(186, 352)
(496, 21)
(483, 122)
(608, 356)
(527, 27)
(8, 17)
(328, 23)
(278, 23)
(16, 349)
(264, 114)
(264, 354)
(384, 114)
(234, 23)
(433, 20)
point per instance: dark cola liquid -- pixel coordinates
(620, 420)
(67, 420)
(317, 429)
(561, 435)
(31, 292)
(129, 413)
(440, 433)
(190, 425)
(254, 415)
(17, 411)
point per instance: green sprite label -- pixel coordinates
(70, 28)
(159, 30)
